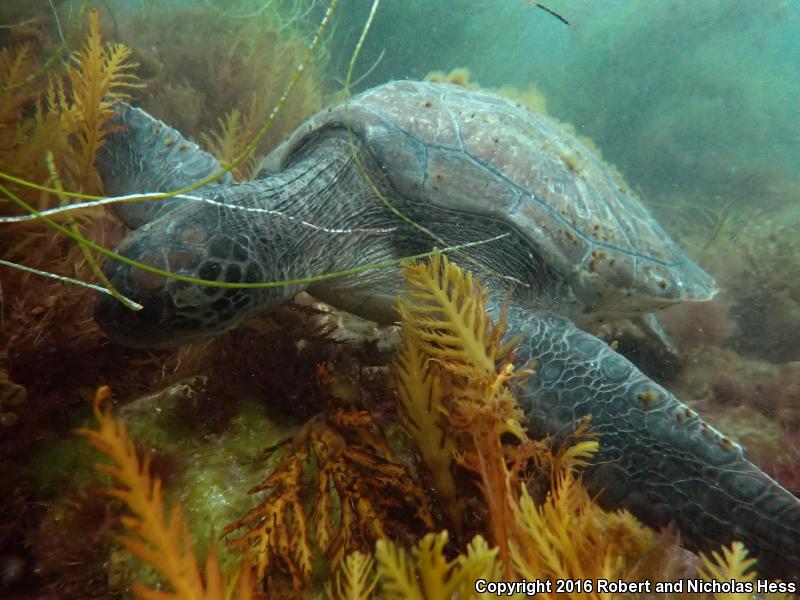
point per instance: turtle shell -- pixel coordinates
(475, 152)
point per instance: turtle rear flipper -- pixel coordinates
(145, 155)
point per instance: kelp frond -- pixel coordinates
(428, 573)
(24, 141)
(15, 66)
(570, 537)
(155, 534)
(228, 141)
(444, 315)
(355, 579)
(99, 76)
(421, 411)
(454, 383)
(281, 519)
(50, 130)
(454, 365)
(731, 564)
(574, 452)
(360, 492)
(446, 308)
(67, 118)
(235, 130)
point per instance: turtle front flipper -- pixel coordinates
(657, 458)
(145, 155)
(654, 331)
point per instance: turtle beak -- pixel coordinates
(142, 328)
(135, 328)
(696, 285)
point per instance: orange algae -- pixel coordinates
(50, 130)
(525, 490)
(337, 493)
(359, 491)
(155, 533)
(251, 61)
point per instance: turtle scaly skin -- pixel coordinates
(657, 457)
(464, 166)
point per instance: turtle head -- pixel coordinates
(622, 286)
(670, 284)
(175, 311)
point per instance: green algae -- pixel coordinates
(209, 473)
(62, 463)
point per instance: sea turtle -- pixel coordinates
(410, 165)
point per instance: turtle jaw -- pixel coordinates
(658, 286)
(157, 324)
(137, 329)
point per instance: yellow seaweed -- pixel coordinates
(156, 533)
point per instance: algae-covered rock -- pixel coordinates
(756, 260)
(210, 474)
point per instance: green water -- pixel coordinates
(682, 96)
(696, 103)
